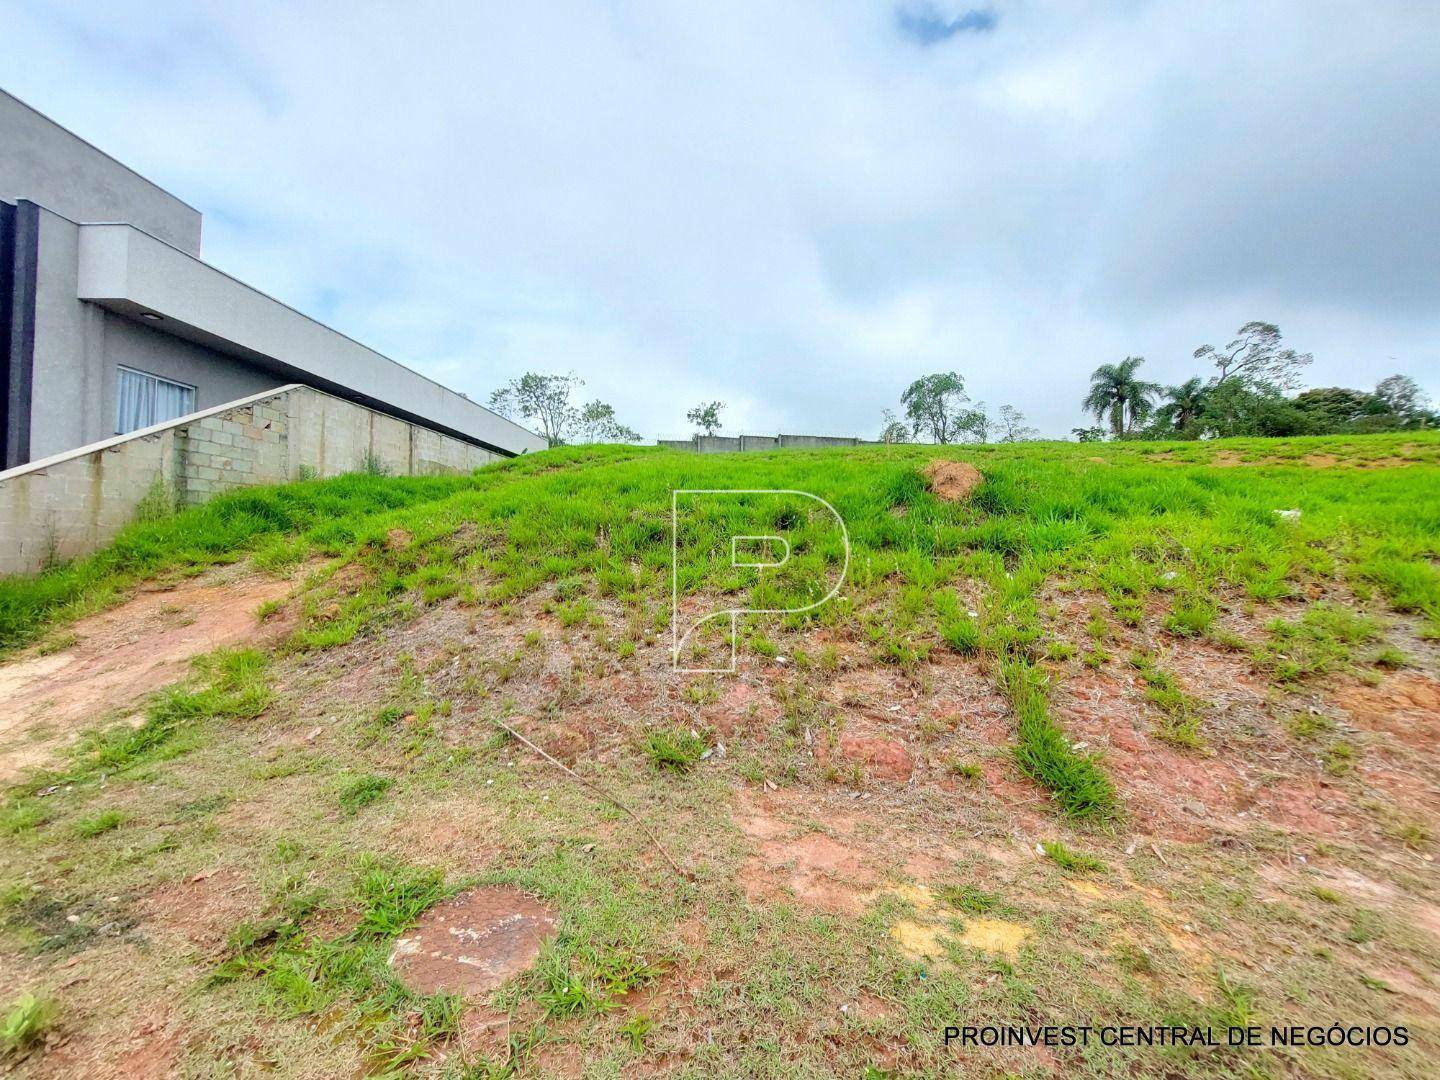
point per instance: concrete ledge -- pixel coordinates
(133, 273)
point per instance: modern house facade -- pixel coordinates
(129, 366)
(110, 322)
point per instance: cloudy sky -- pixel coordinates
(794, 207)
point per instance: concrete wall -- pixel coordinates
(40, 160)
(722, 444)
(74, 503)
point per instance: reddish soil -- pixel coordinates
(952, 480)
(1406, 706)
(204, 908)
(796, 864)
(122, 655)
(881, 758)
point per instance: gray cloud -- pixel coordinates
(790, 207)
(924, 23)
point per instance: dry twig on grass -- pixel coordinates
(593, 786)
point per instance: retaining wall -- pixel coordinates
(73, 503)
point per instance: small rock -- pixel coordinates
(1288, 515)
(314, 734)
(770, 785)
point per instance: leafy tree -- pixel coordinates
(932, 405)
(1183, 404)
(894, 431)
(1255, 355)
(707, 416)
(975, 423)
(1088, 434)
(1013, 426)
(1252, 407)
(545, 401)
(1402, 397)
(1116, 392)
(1335, 408)
(598, 424)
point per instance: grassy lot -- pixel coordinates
(1163, 768)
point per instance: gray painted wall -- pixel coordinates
(41, 161)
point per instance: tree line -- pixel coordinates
(1252, 392)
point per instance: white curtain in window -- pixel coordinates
(143, 400)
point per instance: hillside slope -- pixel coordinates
(1131, 734)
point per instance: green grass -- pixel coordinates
(87, 828)
(361, 792)
(303, 973)
(25, 1023)
(1075, 862)
(1149, 521)
(229, 685)
(673, 749)
(1179, 723)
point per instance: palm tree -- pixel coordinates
(1184, 404)
(1114, 390)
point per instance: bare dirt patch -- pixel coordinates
(795, 863)
(1406, 706)
(202, 909)
(473, 942)
(952, 480)
(123, 654)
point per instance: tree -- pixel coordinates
(1335, 408)
(1255, 355)
(545, 400)
(598, 424)
(1088, 434)
(1013, 426)
(932, 405)
(1251, 407)
(893, 431)
(975, 423)
(1183, 404)
(1114, 390)
(1402, 396)
(707, 416)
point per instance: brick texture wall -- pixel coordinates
(74, 503)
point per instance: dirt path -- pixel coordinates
(121, 655)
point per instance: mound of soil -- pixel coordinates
(952, 480)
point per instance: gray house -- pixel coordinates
(110, 322)
(127, 363)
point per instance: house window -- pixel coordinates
(144, 400)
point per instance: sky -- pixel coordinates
(794, 208)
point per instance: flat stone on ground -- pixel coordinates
(473, 942)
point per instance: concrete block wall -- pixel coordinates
(73, 503)
(724, 444)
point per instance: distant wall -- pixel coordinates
(725, 444)
(73, 503)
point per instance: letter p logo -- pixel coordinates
(747, 551)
